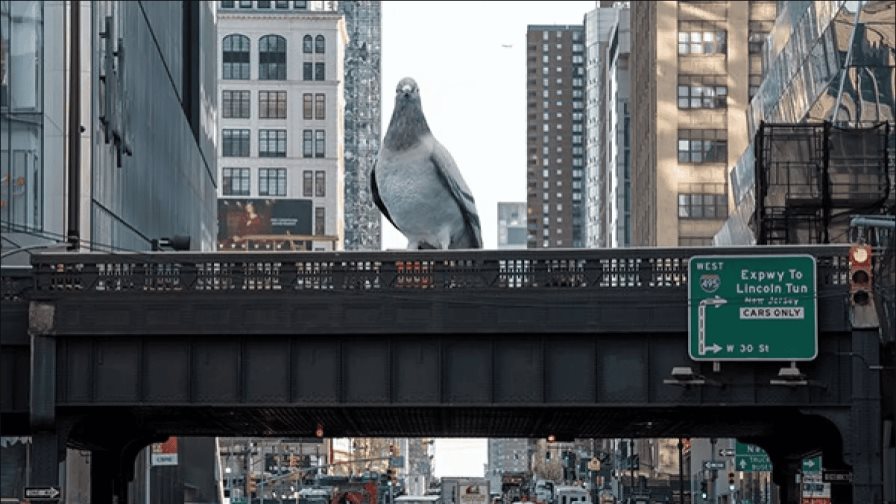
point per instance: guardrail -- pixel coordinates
(633, 268)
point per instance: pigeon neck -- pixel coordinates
(405, 128)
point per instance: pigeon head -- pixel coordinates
(407, 89)
(408, 123)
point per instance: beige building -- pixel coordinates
(281, 126)
(695, 66)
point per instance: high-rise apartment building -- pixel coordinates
(363, 229)
(511, 225)
(693, 68)
(555, 138)
(280, 148)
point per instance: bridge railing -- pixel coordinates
(633, 268)
(15, 283)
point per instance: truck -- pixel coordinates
(465, 491)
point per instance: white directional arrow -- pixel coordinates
(810, 463)
(701, 322)
(714, 348)
(42, 493)
(743, 464)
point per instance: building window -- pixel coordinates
(227, 4)
(235, 143)
(272, 181)
(307, 44)
(245, 4)
(272, 104)
(701, 37)
(702, 206)
(320, 44)
(702, 146)
(306, 106)
(235, 104)
(272, 58)
(755, 82)
(272, 143)
(301, 4)
(281, 4)
(320, 226)
(236, 182)
(702, 91)
(263, 4)
(235, 57)
(320, 183)
(320, 106)
(307, 143)
(319, 143)
(307, 71)
(319, 71)
(307, 183)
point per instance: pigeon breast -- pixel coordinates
(415, 195)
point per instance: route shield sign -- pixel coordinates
(751, 458)
(752, 308)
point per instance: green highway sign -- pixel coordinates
(812, 465)
(751, 458)
(752, 308)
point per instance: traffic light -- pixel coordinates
(393, 450)
(860, 274)
(704, 493)
(251, 486)
(731, 481)
(293, 460)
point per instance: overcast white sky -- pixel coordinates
(473, 89)
(474, 96)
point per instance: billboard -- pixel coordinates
(263, 223)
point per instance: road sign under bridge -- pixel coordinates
(752, 308)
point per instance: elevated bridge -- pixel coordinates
(110, 352)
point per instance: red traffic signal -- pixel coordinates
(860, 274)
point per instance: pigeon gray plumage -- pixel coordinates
(416, 184)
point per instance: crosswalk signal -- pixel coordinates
(704, 494)
(731, 481)
(860, 274)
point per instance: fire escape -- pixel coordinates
(811, 178)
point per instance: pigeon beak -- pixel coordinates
(406, 90)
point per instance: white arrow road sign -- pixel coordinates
(701, 323)
(42, 493)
